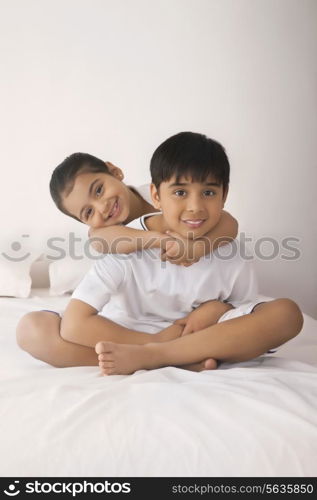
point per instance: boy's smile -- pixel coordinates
(189, 208)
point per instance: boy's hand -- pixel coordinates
(207, 314)
(170, 333)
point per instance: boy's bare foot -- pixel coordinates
(207, 364)
(123, 359)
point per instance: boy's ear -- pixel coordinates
(115, 171)
(224, 197)
(155, 196)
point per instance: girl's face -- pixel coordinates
(99, 199)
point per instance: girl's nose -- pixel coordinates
(101, 207)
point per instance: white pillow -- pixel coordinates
(15, 265)
(65, 274)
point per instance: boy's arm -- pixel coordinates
(82, 325)
(188, 252)
(207, 314)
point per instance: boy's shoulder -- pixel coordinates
(139, 223)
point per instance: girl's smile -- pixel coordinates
(98, 200)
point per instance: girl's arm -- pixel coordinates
(123, 239)
(225, 231)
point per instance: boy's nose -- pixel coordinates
(194, 204)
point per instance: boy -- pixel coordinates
(214, 298)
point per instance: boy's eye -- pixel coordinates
(181, 193)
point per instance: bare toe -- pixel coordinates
(102, 347)
(194, 367)
(207, 364)
(106, 364)
(105, 356)
(108, 371)
(210, 364)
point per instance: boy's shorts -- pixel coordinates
(242, 311)
(239, 311)
(49, 311)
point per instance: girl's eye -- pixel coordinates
(209, 193)
(88, 213)
(180, 192)
(99, 190)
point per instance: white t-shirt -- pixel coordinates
(141, 292)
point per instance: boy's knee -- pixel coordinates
(26, 329)
(290, 310)
(31, 327)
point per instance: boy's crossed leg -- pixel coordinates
(240, 339)
(38, 333)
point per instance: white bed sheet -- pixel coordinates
(250, 419)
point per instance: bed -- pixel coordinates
(256, 418)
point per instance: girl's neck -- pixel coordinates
(138, 206)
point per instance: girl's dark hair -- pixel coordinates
(64, 175)
(191, 155)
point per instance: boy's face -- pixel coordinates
(99, 199)
(191, 209)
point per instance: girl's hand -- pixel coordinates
(178, 250)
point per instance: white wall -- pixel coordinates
(115, 78)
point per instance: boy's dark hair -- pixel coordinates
(191, 155)
(64, 175)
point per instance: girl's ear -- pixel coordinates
(155, 197)
(115, 171)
